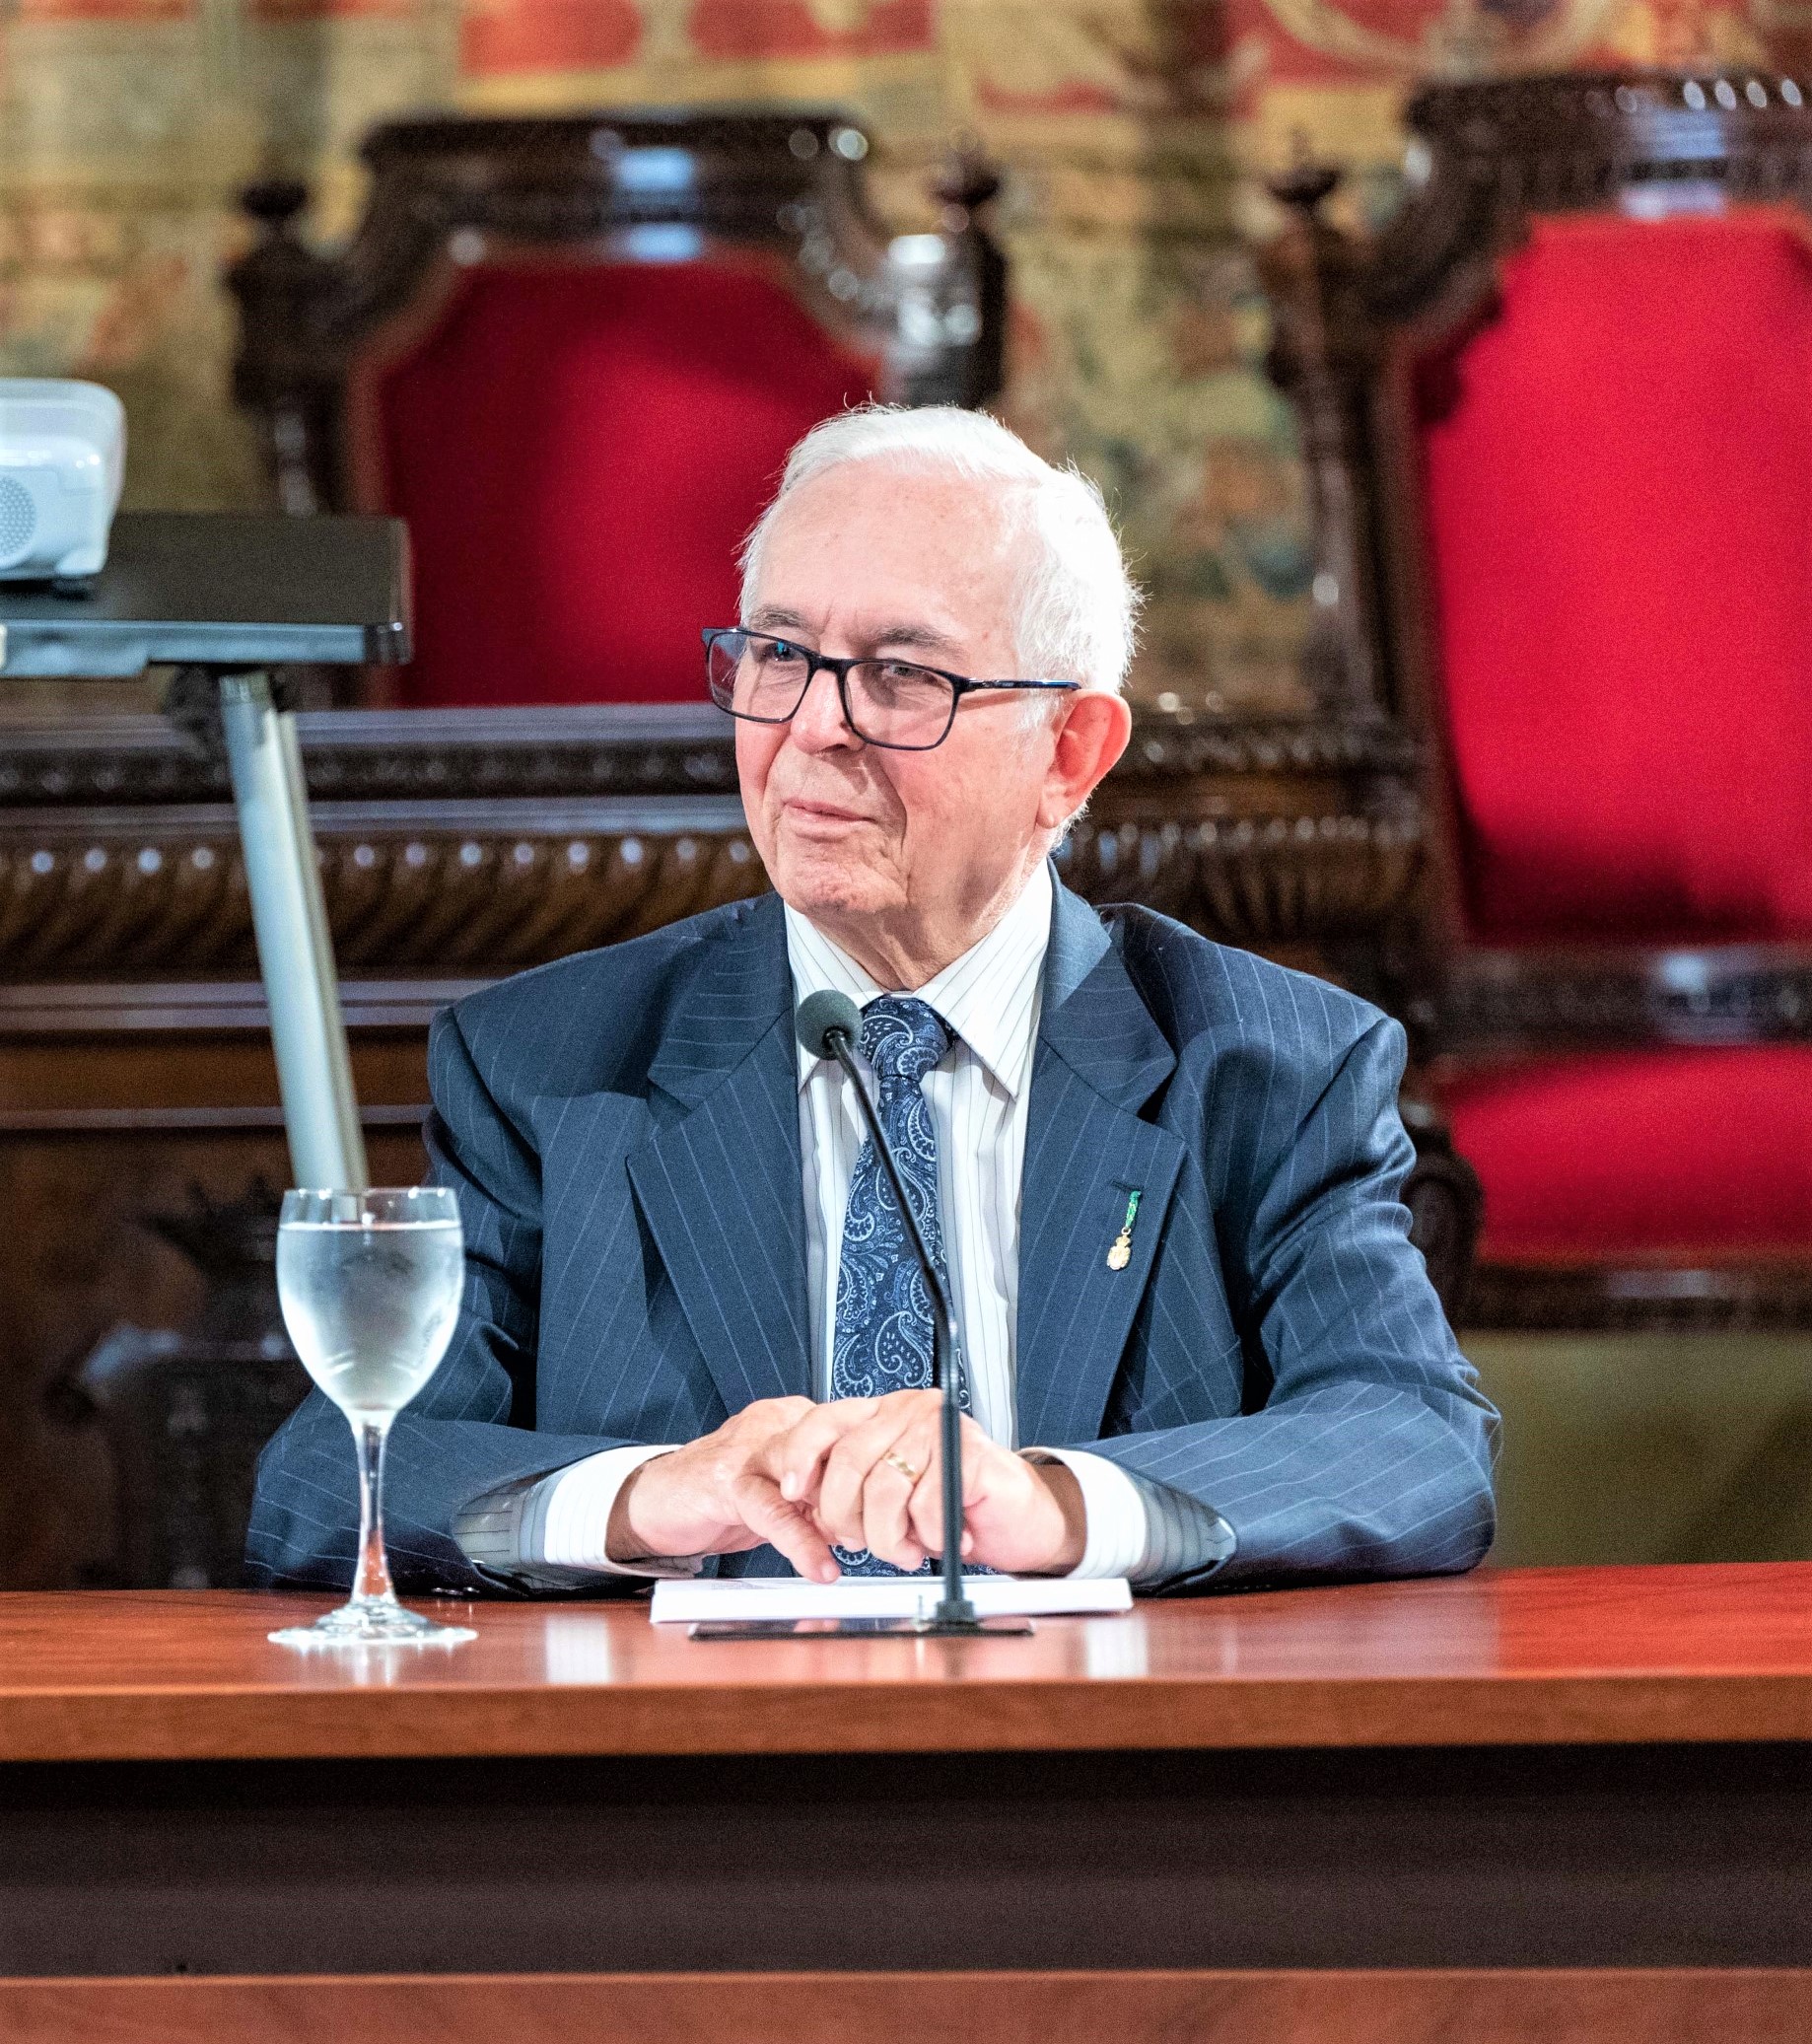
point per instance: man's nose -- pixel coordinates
(818, 724)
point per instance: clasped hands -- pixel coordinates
(856, 1472)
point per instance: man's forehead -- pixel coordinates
(928, 489)
(869, 628)
(918, 520)
(874, 554)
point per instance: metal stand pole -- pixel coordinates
(294, 952)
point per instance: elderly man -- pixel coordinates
(1161, 1177)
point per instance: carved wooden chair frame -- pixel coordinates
(1351, 314)
(783, 187)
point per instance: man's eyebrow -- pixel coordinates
(925, 638)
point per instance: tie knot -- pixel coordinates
(902, 1038)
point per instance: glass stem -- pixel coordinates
(372, 1581)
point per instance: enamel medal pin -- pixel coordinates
(1121, 1253)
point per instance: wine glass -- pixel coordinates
(370, 1284)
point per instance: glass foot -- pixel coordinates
(372, 1622)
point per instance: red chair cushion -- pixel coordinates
(1671, 1155)
(579, 450)
(1618, 493)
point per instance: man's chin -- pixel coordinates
(824, 882)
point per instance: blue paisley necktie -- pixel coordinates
(883, 1340)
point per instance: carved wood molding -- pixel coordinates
(581, 749)
(162, 892)
(1484, 156)
(1751, 1298)
(384, 755)
(468, 844)
(787, 180)
(1256, 881)
(1168, 744)
(1497, 1003)
(449, 889)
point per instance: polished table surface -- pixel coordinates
(1553, 1768)
(1525, 1658)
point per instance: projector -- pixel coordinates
(62, 454)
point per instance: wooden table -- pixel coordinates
(1403, 1811)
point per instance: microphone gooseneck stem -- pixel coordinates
(955, 1608)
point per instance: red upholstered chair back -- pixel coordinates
(578, 449)
(573, 352)
(1616, 474)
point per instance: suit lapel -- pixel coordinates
(1100, 1058)
(718, 1184)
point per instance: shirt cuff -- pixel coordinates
(1134, 1527)
(1113, 1514)
(576, 1526)
(550, 1533)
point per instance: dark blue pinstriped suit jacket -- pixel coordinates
(622, 1132)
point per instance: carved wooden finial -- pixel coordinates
(967, 180)
(274, 202)
(1306, 184)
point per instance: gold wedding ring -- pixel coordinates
(905, 1468)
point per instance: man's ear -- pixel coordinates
(1092, 735)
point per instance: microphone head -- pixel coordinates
(820, 1016)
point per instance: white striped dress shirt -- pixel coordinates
(978, 1094)
(989, 1000)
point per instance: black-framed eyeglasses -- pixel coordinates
(895, 703)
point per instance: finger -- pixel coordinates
(988, 1468)
(982, 1459)
(789, 1528)
(846, 1467)
(795, 1457)
(926, 1509)
(839, 1501)
(777, 1412)
(886, 1513)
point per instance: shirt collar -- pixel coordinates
(988, 997)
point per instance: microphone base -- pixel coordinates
(859, 1628)
(970, 1628)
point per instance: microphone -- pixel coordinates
(822, 1015)
(829, 1024)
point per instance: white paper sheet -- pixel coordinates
(707, 1600)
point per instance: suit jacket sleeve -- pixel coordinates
(1371, 1449)
(470, 1431)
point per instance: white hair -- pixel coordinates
(1077, 608)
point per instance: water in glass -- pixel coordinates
(370, 1309)
(369, 1285)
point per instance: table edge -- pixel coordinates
(1152, 1714)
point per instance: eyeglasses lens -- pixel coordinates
(757, 677)
(895, 704)
(891, 702)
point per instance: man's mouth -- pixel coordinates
(826, 813)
